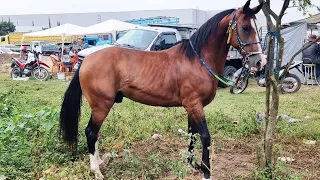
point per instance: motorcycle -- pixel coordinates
(32, 67)
(291, 82)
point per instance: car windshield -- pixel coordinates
(137, 38)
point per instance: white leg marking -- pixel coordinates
(97, 153)
(95, 161)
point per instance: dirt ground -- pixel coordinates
(236, 159)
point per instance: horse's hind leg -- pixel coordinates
(97, 117)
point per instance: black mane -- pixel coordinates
(201, 36)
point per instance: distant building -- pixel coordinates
(185, 16)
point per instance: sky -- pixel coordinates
(76, 6)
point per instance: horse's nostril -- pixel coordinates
(259, 64)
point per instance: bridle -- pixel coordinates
(233, 28)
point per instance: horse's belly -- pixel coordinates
(154, 96)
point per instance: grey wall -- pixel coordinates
(187, 16)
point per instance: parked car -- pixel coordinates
(45, 48)
(12, 47)
(7, 51)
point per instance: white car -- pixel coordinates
(7, 51)
(143, 38)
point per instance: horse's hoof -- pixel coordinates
(205, 179)
(99, 176)
(196, 166)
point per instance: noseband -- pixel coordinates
(233, 28)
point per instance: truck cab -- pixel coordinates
(109, 38)
(91, 40)
(4, 39)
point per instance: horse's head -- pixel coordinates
(243, 36)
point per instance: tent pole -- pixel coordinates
(62, 50)
(21, 45)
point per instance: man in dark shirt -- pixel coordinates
(311, 55)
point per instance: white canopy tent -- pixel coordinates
(62, 30)
(109, 26)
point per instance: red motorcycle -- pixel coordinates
(32, 68)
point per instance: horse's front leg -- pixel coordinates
(198, 123)
(192, 131)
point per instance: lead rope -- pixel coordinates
(211, 72)
(275, 34)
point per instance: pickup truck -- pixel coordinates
(160, 37)
(143, 38)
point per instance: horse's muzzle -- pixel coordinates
(256, 62)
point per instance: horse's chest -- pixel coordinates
(209, 93)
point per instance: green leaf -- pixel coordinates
(47, 125)
(21, 125)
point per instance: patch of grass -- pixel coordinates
(30, 147)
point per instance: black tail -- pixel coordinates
(71, 111)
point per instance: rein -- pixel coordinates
(205, 65)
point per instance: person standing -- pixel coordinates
(311, 55)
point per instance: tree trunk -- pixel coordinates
(273, 84)
(270, 121)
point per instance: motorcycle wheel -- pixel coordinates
(15, 72)
(291, 84)
(242, 85)
(40, 73)
(227, 74)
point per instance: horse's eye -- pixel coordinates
(246, 29)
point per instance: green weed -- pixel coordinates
(31, 148)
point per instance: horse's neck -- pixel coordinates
(216, 51)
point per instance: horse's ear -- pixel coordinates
(246, 8)
(258, 8)
(247, 5)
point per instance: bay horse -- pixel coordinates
(175, 77)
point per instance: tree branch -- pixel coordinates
(267, 7)
(294, 56)
(267, 14)
(284, 8)
(268, 2)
